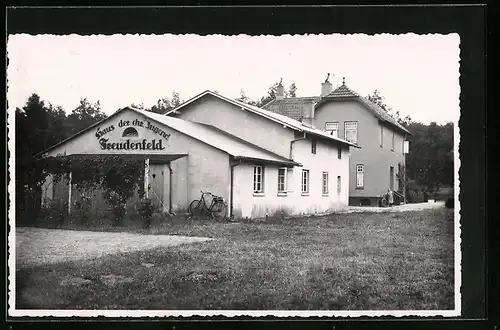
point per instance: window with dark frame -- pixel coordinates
(351, 131)
(282, 180)
(339, 152)
(325, 183)
(258, 179)
(305, 181)
(332, 128)
(360, 173)
(313, 146)
(130, 132)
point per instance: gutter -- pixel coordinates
(295, 140)
(260, 160)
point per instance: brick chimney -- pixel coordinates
(308, 113)
(280, 91)
(326, 88)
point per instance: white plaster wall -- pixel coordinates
(248, 204)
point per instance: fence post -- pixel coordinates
(69, 193)
(146, 178)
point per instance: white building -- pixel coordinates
(260, 162)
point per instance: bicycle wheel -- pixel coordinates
(384, 202)
(219, 211)
(194, 208)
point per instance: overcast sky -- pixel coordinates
(417, 74)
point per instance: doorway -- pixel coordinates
(391, 177)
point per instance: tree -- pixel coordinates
(292, 90)
(84, 115)
(243, 97)
(175, 101)
(378, 99)
(162, 105)
(139, 106)
(430, 162)
(37, 127)
(271, 95)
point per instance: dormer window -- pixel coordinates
(130, 132)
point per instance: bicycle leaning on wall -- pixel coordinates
(217, 210)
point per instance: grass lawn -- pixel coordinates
(377, 261)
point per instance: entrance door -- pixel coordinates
(157, 184)
(391, 177)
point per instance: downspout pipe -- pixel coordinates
(170, 189)
(295, 140)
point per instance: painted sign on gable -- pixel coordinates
(130, 139)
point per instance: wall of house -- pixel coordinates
(325, 160)
(376, 159)
(204, 168)
(241, 123)
(294, 202)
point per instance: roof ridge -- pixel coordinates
(270, 115)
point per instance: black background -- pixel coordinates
(479, 298)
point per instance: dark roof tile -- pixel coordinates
(292, 107)
(343, 91)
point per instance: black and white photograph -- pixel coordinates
(185, 174)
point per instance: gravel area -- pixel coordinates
(396, 208)
(35, 246)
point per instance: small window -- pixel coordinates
(313, 146)
(339, 185)
(339, 152)
(381, 136)
(130, 132)
(332, 128)
(325, 183)
(282, 180)
(392, 145)
(360, 170)
(305, 181)
(351, 131)
(258, 179)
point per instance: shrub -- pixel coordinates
(52, 214)
(117, 203)
(146, 210)
(82, 207)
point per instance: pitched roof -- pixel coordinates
(217, 138)
(345, 92)
(292, 107)
(279, 118)
(342, 91)
(210, 135)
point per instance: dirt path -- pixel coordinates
(36, 246)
